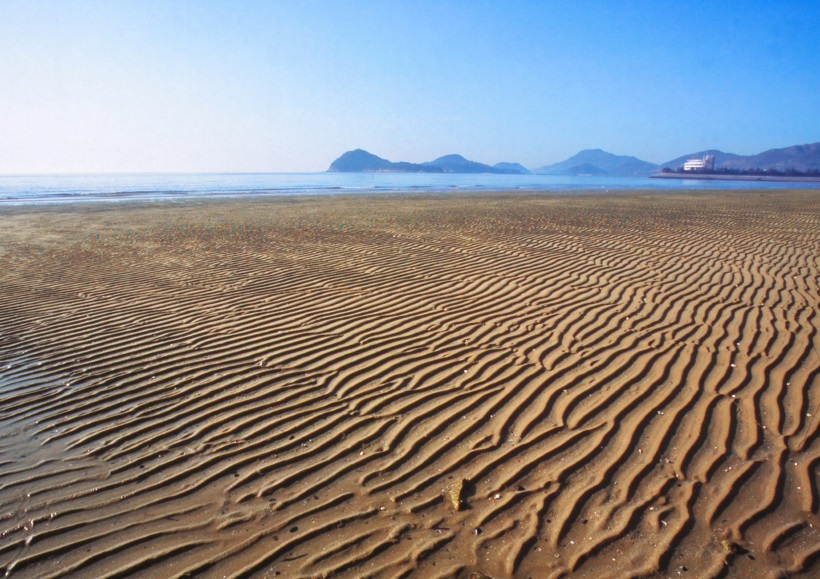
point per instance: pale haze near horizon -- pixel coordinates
(289, 86)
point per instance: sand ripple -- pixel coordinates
(626, 385)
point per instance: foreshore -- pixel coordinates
(490, 385)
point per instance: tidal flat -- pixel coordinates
(487, 385)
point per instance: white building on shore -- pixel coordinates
(707, 163)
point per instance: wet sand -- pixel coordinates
(490, 385)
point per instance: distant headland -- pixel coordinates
(799, 162)
(796, 163)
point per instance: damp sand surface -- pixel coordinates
(490, 385)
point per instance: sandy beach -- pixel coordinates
(489, 385)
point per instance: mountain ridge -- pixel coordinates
(597, 161)
(454, 163)
(361, 161)
(797, 157)
(587, 162)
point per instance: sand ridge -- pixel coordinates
(626, 384)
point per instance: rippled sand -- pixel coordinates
(607, 386)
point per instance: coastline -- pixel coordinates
(117, 188)
(300, 385)
(761, 178)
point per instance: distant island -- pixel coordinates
(360, 161)
(799, 162)
(595, 162)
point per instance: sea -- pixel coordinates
(72, 188)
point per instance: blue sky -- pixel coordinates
(110, 86)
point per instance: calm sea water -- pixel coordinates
(21, 189)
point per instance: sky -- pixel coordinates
(176, 86)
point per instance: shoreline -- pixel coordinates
(72, 206)
(115, 188)
(762, 178)
(264, 196)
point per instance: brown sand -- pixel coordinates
(605, 386)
